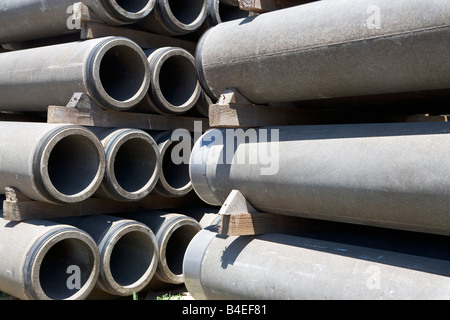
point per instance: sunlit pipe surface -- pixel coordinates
(386, 174)
(44, 260)
(112, 71)
(306, 52)
(54, 163)
(35, 19)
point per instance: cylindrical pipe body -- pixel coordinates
(34, 19)
(133, 163)
(112, 71)
(54, 163)
(128, 253)
(175, 149)
(173, 233)
(172, 17)
(306, 52)
(43, 260)
(386, 174)
(174, 87)
(277, 266)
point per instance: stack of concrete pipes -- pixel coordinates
(96, 256)
(42, 63)
(387, 176)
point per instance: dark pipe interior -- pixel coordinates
(131, 257)
(135, 164)
(178, 80)
(122, 72)
(57, 280)
(186, 12)
(73, 164)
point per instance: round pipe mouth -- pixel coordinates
(132, 10)
(71, 165)
(174, 85)
(185, 16)
(173, 246)
(133, 165)
(174, 180)
(65, 266)
(129, 259)
(119, 74)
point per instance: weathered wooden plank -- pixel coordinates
(106, 118)
(239, 218)
(237, 115)
(17, 207)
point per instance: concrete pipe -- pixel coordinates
(173, 233)
(277, 266)
(220, 11)
(174, 179)
(43, 260)
(175, 17)
(306, 52)
(53, 163)
(112, 71)
(133, 163)
(385, 174)
(33, 19)
(174, 87)
(128, 253)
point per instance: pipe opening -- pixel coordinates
(135, 164)
(134, 6)
(178, 80)
(186, 13)
(131, 257)
(73, 164)
(177, 245)
(122, 72)
(228, 13)
(176, 175)
(66, 268)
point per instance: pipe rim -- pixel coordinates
(193, 260)
(163, 236)
(43, 155)
(95, 79)
(178, 26)
(106, 280)
(163, 186)
(113, 147)
(130, 15)
(157, 60)
(42, 247)
(198, 167)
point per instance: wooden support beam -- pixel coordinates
(239, 218)
(81, 110)
(232, 110)
(236, 115)
(17, 207)
(102, 118)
